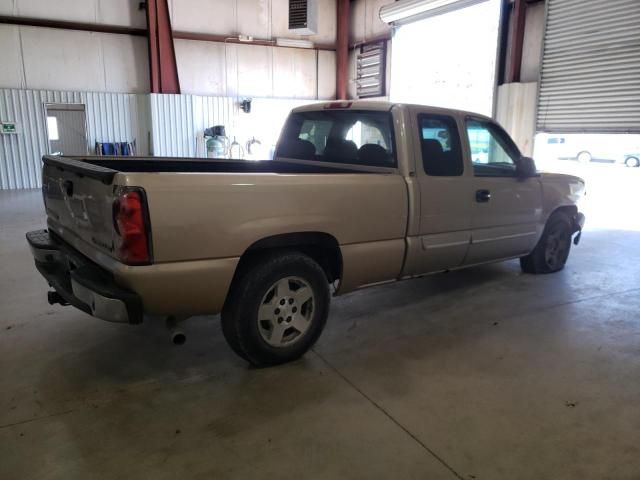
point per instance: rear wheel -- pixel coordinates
(584, 157)
(552, 251)
(277, 309)
(632, 162)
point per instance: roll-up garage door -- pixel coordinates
(406, 11)
(591, 67)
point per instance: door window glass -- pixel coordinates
(440, 146)
(492, 152)
(52, 128)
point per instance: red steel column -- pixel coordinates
(518, 18)
(163, 70)
(342, 50)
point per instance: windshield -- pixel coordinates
(339, 136)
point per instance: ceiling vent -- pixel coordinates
(303, 17)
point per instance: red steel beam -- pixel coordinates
(163, 69)
(518, 20)
(342, 49)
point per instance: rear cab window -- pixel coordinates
(339, 136)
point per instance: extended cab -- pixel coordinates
(359, 193)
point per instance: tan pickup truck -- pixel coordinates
(359, 193)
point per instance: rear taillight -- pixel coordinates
(130, 219)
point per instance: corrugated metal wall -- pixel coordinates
(590, 79)
(178, 121)
(111, 117)
(174, 123)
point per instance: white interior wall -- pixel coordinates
(43, 58)
(262, 19)
(365, 20)
(53, 59)
(103, 12)
(516, 106)
(219, 69)
(226, 69)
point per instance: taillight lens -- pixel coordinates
(130, 221)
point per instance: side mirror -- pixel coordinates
(526, 168)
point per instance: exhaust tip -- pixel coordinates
(178, 338)
(55, 298)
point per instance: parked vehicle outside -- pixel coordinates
(586, 148)
(359, 193)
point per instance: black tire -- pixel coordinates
(552, 251)
(242, 328)
(632, 162)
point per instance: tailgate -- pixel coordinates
(79, 201)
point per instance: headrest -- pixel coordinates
(300, 149)
(372, 154)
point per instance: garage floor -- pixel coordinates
(478, 374)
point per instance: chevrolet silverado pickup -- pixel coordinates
(359, 193)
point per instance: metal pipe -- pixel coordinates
(212, 37)
(65, 25)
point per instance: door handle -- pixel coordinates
(483, 196)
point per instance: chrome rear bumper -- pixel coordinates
(79, 282)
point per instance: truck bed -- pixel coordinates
(104, 168)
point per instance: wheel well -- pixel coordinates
(321, 247)
(569, 210)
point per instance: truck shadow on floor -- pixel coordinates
(144, 353)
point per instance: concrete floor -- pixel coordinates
(478, 374)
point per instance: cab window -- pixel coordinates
(440, 146)
(493, 154)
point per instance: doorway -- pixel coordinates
(66, 128)
(448, 60)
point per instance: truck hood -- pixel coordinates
(560, 177)
(561, 189)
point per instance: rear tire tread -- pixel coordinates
(238, 315)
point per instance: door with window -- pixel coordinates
(66, 128)
(506, 209)
(445, 188)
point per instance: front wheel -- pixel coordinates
(632, 162)
(584, 157)
(277, 309)
(552, 251)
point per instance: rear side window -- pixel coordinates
(440, 144)
(339, 136)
